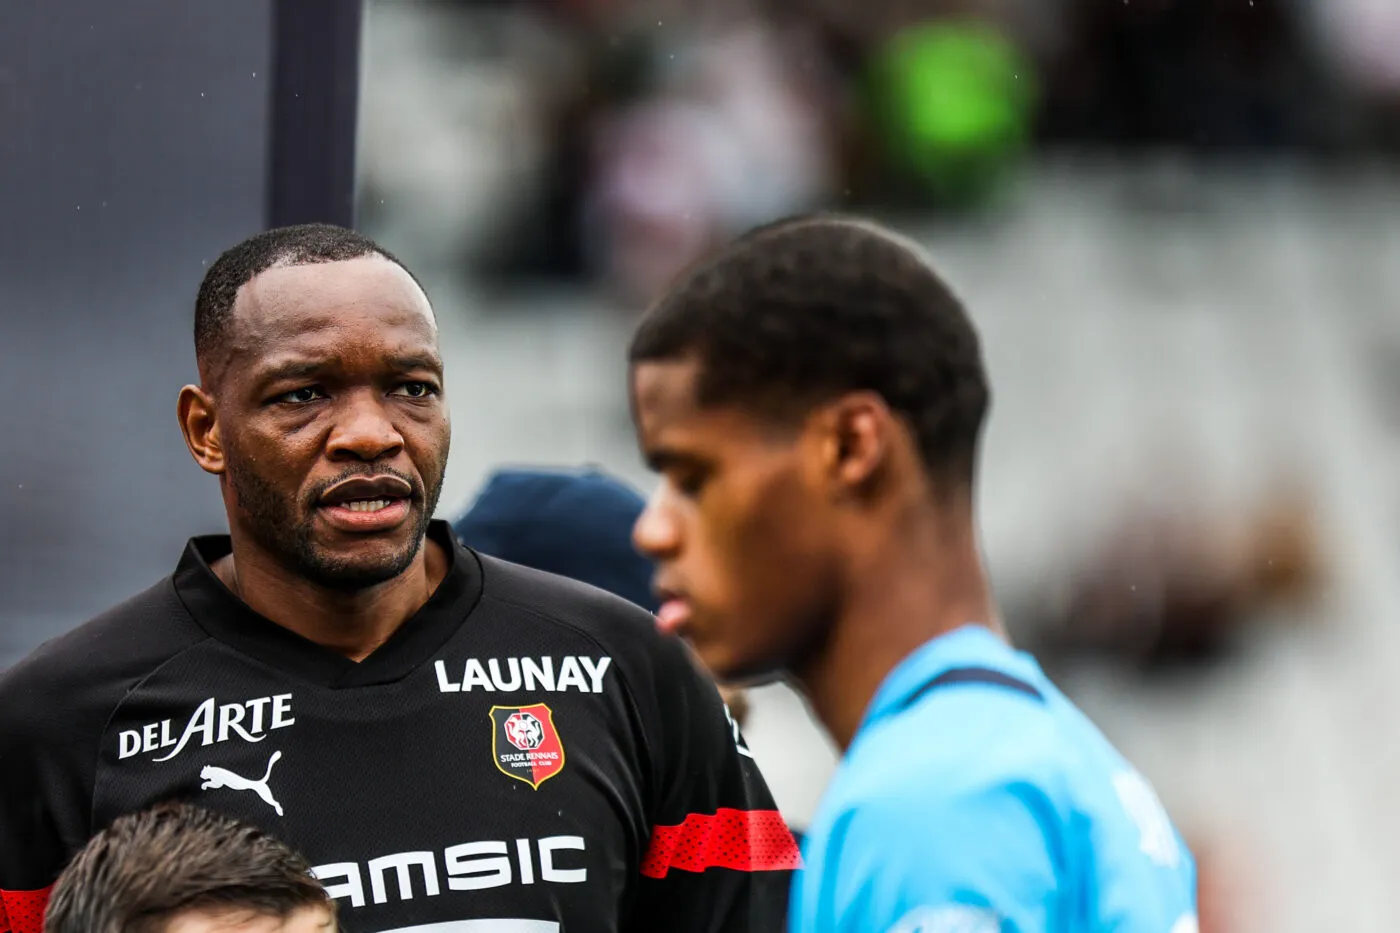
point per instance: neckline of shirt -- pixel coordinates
(224, 616)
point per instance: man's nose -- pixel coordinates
(364, 432)
(657, 533)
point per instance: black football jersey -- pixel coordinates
(525, 755)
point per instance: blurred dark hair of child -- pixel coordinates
(179, 868)
(573, 523)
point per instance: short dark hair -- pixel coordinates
(304, 244)
(798, 312)
(148, 867)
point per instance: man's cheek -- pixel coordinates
(709, 572)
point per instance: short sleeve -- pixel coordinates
(720, 858)
(32, 847)
(982, 860)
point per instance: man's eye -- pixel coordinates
(302, 396)
(415, 390)
(689, 483)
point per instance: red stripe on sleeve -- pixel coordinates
(23, 911)
(744, 840)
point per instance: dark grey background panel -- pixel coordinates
(133, 148)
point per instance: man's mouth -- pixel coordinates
(364, 492)
(674, 615)
(367, 503)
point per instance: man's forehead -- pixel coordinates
(666, 388)
(673, 426)
(292, 300)
(312, 354)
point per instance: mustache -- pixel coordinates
(368, 472)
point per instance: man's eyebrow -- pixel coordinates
(659, 459)
(292, 369)
(411, 361)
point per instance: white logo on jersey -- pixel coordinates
(525, 731)
(472, 866)
(953, 918)
(1187, 924)
(513, 674)
(212, 723)
(739, 742)
(1143, 807)
(215, 777)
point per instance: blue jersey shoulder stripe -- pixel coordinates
(973, 675)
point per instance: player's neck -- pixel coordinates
(904, 593)
(353, 624)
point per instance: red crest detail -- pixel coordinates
(525, 744)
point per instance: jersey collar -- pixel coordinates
(972, 645)
(226, 617)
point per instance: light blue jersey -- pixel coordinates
(976, 798)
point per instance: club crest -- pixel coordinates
(525, 744)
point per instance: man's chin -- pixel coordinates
(743, 680)
(733, 669)
(360, 568)
(345, 578)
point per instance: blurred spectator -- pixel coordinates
(1365, 42)
(1203, 74)
(1361, 40)
(181, 869)
(936, 96)
(725, 137)
(951, 104)
(574, 523)
(1177, 584)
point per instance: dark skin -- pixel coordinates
(331, 373)
(819, 550)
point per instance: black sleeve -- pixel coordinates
(54, 707)
(43, 803)
(30, 854)
(720, 858)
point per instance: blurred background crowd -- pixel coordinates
(613, 140)
(1176, 223)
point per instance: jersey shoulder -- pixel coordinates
(1138, 867)
(85, 672)
(940, 812)
(1017, 780)
(959, 754)
(987, 737)
(990, 737)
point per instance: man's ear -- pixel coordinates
(858, 430)
(200, 425)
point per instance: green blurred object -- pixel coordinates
(952, 103)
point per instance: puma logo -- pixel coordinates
(215, 777)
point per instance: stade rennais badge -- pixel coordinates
(525, 744)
